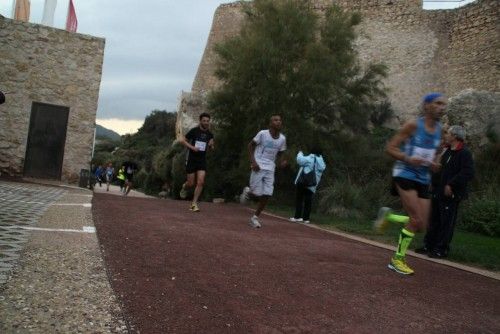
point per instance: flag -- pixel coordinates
(22, 10)
(48, 12)
(71, 21)
(13, 9)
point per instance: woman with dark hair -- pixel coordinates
(314, 165)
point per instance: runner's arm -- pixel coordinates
(251, 150)
(393, 146)
(283, 161)
(184, 141)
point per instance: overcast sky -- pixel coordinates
(153, 49)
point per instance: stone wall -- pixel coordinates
(439, 50)
(474, 48)
(48, 65)
(191, 106)
(226, 23)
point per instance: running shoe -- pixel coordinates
(254, 222)
(400, 266)
(306, 221)
(296, 220)
(183, 193)
(245, 196)
(194, 207)
(381, 223)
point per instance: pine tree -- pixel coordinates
(291, 61)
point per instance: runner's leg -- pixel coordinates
(299, 202)
(200, 181)
(417, 209)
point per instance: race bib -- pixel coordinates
(426, 154)
(200, 145)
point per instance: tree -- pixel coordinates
(288, 60)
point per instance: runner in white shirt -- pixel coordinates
(263, 150)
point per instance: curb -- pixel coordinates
(49, 183)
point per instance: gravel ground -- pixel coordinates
(59, 284)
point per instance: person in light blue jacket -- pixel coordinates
(304, 196)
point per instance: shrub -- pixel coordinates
(346, 199)
(482, 215)
(341, 200)
(178, 172)
(139, 179)
(381, 113)
(152, 184)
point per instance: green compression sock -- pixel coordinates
(405, 239)
(397, 218)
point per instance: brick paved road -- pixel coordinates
(21, 204)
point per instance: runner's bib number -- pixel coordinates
(200, 145)
(425, 154)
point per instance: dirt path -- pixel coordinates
(181, 272)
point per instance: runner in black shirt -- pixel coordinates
(197, 140)
(130, 169)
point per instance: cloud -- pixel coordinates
(121, 126)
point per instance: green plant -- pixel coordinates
(342, 200)
(346, 199)
(140, 178)
(288, 61)
(482, 215)
(381, 113)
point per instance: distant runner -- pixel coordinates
(121, 178)
(130, 169)
(110, 172)
(197, 140)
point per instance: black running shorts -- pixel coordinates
(192, 166)
(423, 190)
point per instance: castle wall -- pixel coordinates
(439, 50)
(226, 23)
(53, 66)
(474, 49)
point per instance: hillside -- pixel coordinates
(101, 132)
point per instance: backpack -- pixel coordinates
(308, 179)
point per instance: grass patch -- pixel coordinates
(466, 247)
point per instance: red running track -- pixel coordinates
(176, 271)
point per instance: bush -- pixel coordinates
(139, 179)
(482, 216)
(152, 184)
(178, 172)
(342, 200)
(381, 113)
(346, 199)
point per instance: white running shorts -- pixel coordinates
(262, 182)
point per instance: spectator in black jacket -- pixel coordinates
(449, 188)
